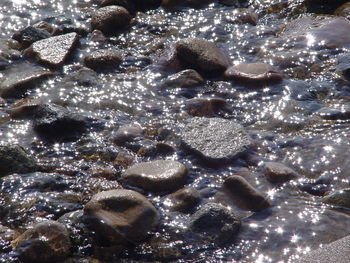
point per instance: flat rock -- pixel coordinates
(213, 139)
(103, 59)
(202, 55)
(160, 175)
(121, 216)
(278, 173)
(53, 51)
(21, 77)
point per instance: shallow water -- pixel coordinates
(280, 118)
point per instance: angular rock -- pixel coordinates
(45, 242)
(254, 72)
(160, 175)
(21, 77)
(216, 223)
(278, 172)
(103, 59)
(204, 107)
(110, 19)
(120, 217)
(215, 140)
(53, 51)
(183, 200)
(29, 35)
(183, 79)
(338, 198)
(244, 195)
(13, 159)
(202, 55)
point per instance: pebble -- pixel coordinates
(53, 51)
(29, 35)
(204, 107)
(103, 59)
(343, 10)
(111, 18)
(127, 133)
(159, 175)
(203, 55)
(121, 217)
(278, 173)
(183, 200)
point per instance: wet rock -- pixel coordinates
(127, 133)
(110, 19)
(21, 77)
(53, 122)
(13, 159)
(343, 10)
(243, 16)
(128, 4)
(24, 108)
(156, 149)
(45, 242)
(254, 72)
(244, 195)
(6, 234)
(98, 36)
(103, 59)
(215, 140)
(327, 113)
(278, 172)
(338, 198)
(204, 107)
(183, 200)
(53, 51)
(29, 35)
(124, 160)
(203, 55)
(160, 175)
(216, 223)
(183, 79)
(9, 49)
(120, 217)
(102, 171)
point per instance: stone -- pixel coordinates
(183, 200)
(202, 55)
(343, 10)
(110, 19)
(204, 107)
(13, 159)
(337, 251)
(103, 59)
(159, 175)
(29, 35)
(124, 159)
(338, 198)
(46, 242)
(278, 173)
(16, 80)
(243, 16)
(184, 79)
(121, 217)
(127, 133)
(215, 140)
(127, 4)
(53, 51)
(254, 72)
(56, 123)
(24, 108)
(216, 223)
(244, 195)
(328, 113)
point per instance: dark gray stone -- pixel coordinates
(29, 35)
(183, 200)
(183, 79)
(103, 59)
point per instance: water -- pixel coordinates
(281, 118)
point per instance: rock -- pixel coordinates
(124, 160)
(204, 107)
(29, 35)
(202, 55)
(45, 242)
(53, 51)
(9, 49)
(160, 175)
(127, 133)
(243, 16)
(254, 72)
(24, 108)
(56, 123)
(127, 4)
(343, 10)
(216, 223)
(183, 200)
(103, 59)
(13, 159)
(110, 19)
(328, 113)
(120, 216)
(215, 140)
(21, 77)
(338, 198)
(184, 79)
(278, 172)
(337, 251)
(244, 195)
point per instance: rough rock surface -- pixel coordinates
(203, 55)
(214, 139)
(278, 172)
(183, 200)
(53, 51)
(120, 216)
(103, 59)
(160, 175)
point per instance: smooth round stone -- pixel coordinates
(109, 19)
(121, 216)
(278, 172)
(127, 133)
(183, 200)
(202, 55)
(254, 72)
(103, 59)
(160, 175)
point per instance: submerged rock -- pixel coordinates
(53, 51)
(13, 159)
(103, 59)
(183, 200)
(160, 175)
(120, 217)
(29, 35)
(278, 172)
(127, 133)
(46, 242)
(215, 140)
(202, 55)
(338, 198)
(183, 79)
(204, 107)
